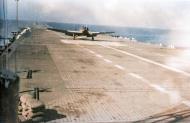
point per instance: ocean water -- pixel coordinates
(147, 35)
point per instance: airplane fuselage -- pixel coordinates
(83, 32)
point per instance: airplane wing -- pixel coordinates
(100, 33)
(57, 30)
(67, 32)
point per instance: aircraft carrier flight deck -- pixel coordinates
(109, 80)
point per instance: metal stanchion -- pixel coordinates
(36, 93)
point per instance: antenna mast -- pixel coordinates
(17, 19)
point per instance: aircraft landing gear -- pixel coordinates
(92, 38)
(74, 36)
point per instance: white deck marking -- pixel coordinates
(135, 75)
(98, 55)
(186, 102)
(89, 50)
(119, 67)
(149, 61)
(92, 52)
(107, 60)
(174, 95)
(159, 88)
(156, 87)
(139, 77)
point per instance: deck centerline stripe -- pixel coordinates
(119, 67)
(98, 55)
(107, 60)
(149, 61)
(171, 94)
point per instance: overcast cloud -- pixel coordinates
(139, 13)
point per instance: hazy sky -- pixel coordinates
(140, 13)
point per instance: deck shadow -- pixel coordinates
(50, 115)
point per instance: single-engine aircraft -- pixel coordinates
(84, 31)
